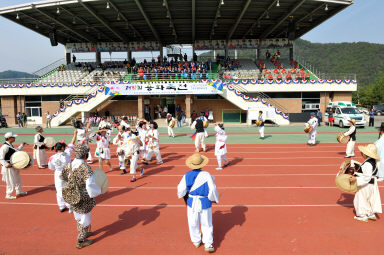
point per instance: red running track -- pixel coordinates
(274, 199)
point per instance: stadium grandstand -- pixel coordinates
(213, 77)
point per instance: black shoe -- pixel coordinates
(64, 209)
(133, 179)
(124, 172)
(84, 243)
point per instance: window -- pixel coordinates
(338, 111)
(33, 108)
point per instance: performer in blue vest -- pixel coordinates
(198, 189)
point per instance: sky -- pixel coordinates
(24, 50)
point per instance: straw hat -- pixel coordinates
(353, 121)
(101, 180)
(49, 142)
(370, 150)
(196, 161)
(343, 183)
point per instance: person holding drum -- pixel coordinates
(57, 163)
(220, 146)
(200, 137)
(367, 200)
(11, 176)
(121, 138)
(350, 151)
(82, 137)
(171, 122)
(204, 120)
(40, 153)
(261, 120)
(153, 144)
(88, 189)
(312, 134)
(102, 147)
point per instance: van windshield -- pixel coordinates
(350, 110)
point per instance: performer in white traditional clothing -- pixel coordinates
(199, 134)
(312, 134)
(350, 151)
(203, 118)
(104, 124)
(221, 146)
(56, 163)
(85, 180)
(132, 151)
(143, 132)
(120, 139)
(153, 144)
(170, 129)
(367, 200)
(82, 137)
(124, 122)
(39, 148)
(380, 150)
(198, 189)
(10, 175)
(261, 127)
(102, 147)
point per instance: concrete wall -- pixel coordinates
(293, 105)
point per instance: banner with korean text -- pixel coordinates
(171, 88)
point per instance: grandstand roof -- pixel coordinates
(171, 21)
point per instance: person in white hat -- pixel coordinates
(170, 129)
(83, 137)
(39, 149)
(198, 189)
(312, 135)
(10, 175)
(367, 200)
(56, 163)
(350, 151)
(221, 146)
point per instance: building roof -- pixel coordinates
(171, 21)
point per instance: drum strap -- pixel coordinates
(10, 152)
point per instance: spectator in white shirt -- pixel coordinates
(49, 118)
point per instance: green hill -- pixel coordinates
(10, 74)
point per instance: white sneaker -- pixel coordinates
(364, 219)
(197, 245)
(10, 197)
(70, 210)
(219, 168)
(372, 217)
(210, 249)
(159, 163)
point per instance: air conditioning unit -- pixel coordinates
(147, 101)
(311, 106)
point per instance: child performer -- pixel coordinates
(220, 146)
(312, 135)
(170, 129)
(102, 147)
(261, 127)
(121, 138)
(153, 145)
(57, 163)
(39, 149)
(133, 153)
(82, 137)
(143, 132)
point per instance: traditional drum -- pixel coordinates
(21, 160)
(205, 123)
(346, 171)
(101, 180)
(341, 138)
(308, 129)
(49, 142)
(172, 123)
(259, 122)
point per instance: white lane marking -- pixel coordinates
(218, 175)
(183, 206)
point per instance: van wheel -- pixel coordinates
(341, 124)
(378, 113)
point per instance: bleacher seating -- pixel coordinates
(69, 73)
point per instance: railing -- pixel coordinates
(170, 76)
(49, 67)
(260, 95)
(80, 96)
(17, 80)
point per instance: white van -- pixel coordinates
(344, 111)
